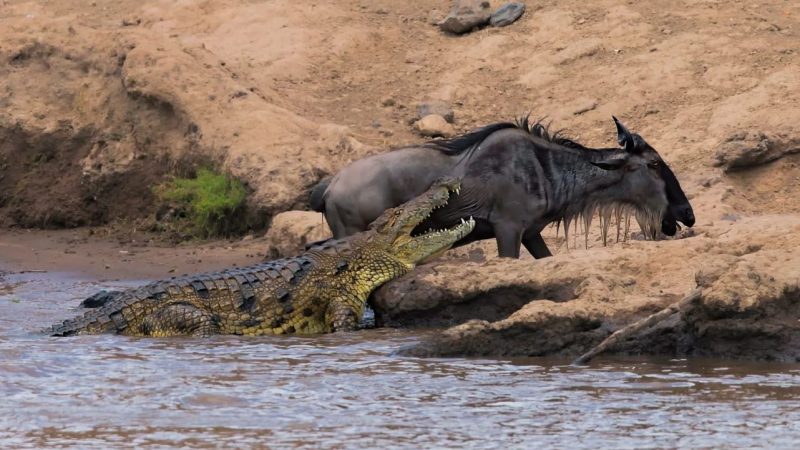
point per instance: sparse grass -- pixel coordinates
(213, 203)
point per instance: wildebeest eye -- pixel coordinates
(653, 164)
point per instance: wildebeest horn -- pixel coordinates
(624, 137)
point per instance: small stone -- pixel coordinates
(744, 150)
(434, 17)
(130, 22)
(465, 16)
(435, 107)
(507, 14)
(388, 101)
(585, 106)
(434, 125)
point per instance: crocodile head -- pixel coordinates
(393, 229)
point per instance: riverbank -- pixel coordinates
(493, 307)
(87, 253)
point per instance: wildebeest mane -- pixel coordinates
(542, 131)
(462, 143)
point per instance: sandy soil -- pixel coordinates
(89, 253)
(99, 100)
(104, 98)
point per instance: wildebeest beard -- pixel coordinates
(617, 215)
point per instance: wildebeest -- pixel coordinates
(516, 179)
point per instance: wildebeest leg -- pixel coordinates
(534, 243)
(335, 222)
(508, 239)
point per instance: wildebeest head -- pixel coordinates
(651, 185)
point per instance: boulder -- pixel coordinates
(507, 14)
(434, 125)
(743, 150)
(565, 305)
(437, 107)
(465, 15)
(290, 231)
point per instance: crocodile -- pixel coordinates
(323, 290)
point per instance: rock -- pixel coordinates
(744, 149)
(584, 106)
(434, 125)
(507, 14)
(292, 230)
(750, 307)
(465, 15)
(129, 22)
(434, 17)
(452, 292)
(435, 107)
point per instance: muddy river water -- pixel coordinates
(349, 391)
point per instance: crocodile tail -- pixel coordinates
(106, 318)
(317, 197)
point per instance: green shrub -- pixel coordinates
(212, 202)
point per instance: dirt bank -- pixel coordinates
(105, 98)
(567, 304)
(100, 100)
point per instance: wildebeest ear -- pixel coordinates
(609, 164)
(624, 137)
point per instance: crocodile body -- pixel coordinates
(323, 290)
(275, 297)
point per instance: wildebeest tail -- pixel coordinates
(317, 198)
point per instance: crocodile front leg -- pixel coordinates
(177, 320)
(344, 313)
